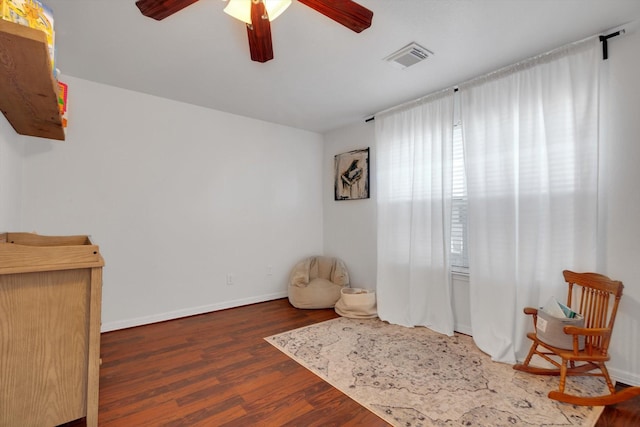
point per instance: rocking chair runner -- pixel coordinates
(596, 297)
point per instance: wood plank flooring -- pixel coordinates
(216, 369)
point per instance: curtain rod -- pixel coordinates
(605, 56)
(603, 39)
(372, 118)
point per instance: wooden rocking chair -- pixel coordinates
(596, 297)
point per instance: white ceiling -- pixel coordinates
(324, 76)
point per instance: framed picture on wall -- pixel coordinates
(352, 175)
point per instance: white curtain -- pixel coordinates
(531, 142)
(413, 168)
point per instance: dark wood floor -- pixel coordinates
(216, 370)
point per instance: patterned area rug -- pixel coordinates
(416, 377)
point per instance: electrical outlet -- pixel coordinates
(269, 270)
(229, 279)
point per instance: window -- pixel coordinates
(459, 257)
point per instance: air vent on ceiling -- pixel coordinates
(409, 55)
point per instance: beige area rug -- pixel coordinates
(416, 377)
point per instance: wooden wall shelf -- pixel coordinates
(28, 91)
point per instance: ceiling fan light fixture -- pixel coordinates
(276, 7)
(241, 9)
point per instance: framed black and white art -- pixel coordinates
(352, 175)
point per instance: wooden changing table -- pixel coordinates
(50, 302)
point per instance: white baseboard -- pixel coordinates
(191, 311)
(624, 377)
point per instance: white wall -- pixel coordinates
(350, 225)
(11, 147)
(177, 197)
(620, 147)
(350, 229)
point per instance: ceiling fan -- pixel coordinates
(256, 15)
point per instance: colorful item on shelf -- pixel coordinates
(33, 14)
(63, 88)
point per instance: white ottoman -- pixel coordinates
(357, 303)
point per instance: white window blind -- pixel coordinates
(459, 258)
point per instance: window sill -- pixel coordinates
(460, 273)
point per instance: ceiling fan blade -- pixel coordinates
(160, 9)
(346, 12)
(259, 33)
